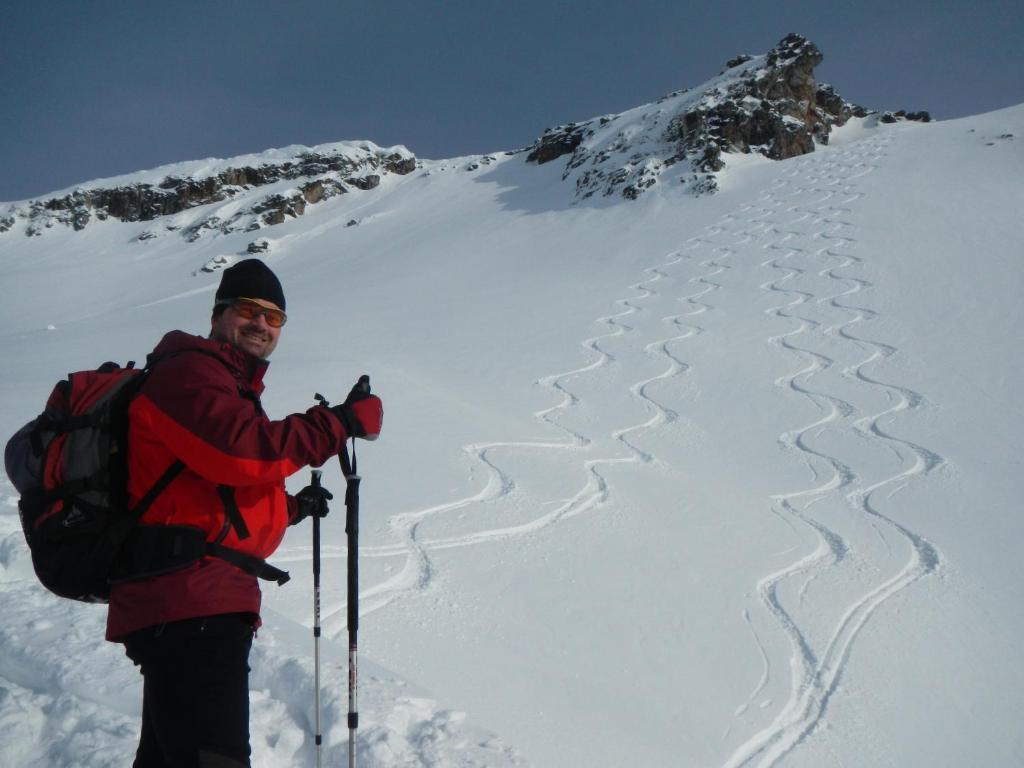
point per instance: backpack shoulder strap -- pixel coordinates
(175, 469)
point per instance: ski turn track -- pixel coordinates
(800, 234)
(614, 447)
(810, 242)
(415, 576)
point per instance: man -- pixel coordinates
(211, 467)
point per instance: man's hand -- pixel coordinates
(362, 414)
(311, 500)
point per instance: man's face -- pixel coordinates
(253, 335)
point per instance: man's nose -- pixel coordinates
(261, 321)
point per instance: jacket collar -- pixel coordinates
(248, 369)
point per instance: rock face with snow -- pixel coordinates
(771, 105)
(316, 174)
(768, 104)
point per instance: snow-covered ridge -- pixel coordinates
(311, 174)
(769, 104)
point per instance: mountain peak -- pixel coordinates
(769, 104)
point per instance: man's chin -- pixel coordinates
(255, 348)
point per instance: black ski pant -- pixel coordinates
(195, 699)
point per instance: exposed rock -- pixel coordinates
(732, 63)
(370, 181)
(920, 117)
(360, 167)
(835, 105)
(258, 246)
(557, 141)
(768, 104)
(475, 165)
(275, 208)
(772, 110)
(902, 114)
(195, 231)
(399, 164)
(147, 235)
(217, 263)
(322, 189)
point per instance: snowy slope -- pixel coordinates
(717, 481)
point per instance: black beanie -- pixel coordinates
(252, 279)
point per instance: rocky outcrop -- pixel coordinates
(557, 141)
(772, 110)
(329, 174)
(895, 117)
(768, 104)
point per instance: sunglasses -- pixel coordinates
(250, 309)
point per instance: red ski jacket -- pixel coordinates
(200, 405)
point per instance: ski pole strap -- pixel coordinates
(346, 464)
(351, 472)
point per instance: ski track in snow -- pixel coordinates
(807, 239)
(803, 227)
(415, 576)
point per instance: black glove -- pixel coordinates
(311, 500)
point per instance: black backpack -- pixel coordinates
(70, 466)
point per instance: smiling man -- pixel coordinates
(249, 309)
(206, 470)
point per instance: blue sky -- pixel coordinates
(92, 89)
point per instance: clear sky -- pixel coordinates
(98, 88)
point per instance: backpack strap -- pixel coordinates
(175, 469)
(98, 482)
(154, 550)
(232, 512)
(261, 569)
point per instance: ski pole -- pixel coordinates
(352, 531)
(352, 480)
(316, 618)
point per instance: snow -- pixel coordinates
(718, 481)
